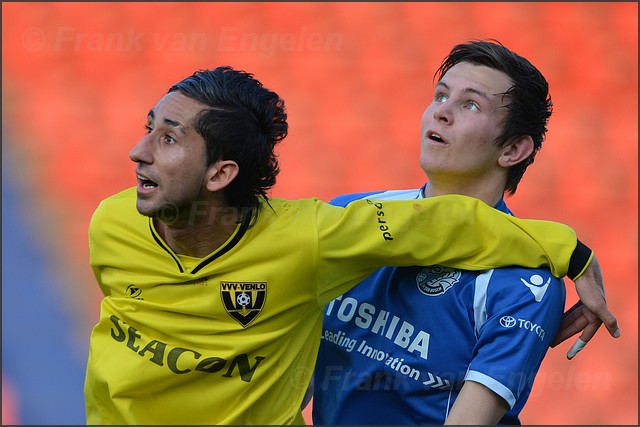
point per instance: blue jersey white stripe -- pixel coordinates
(480, 300)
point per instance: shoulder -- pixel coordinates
(345, 199)
(127, 196)
(278, 206)
(302, 211)
(507, 274)
(522, 284)
(115, 226)
(117, 208)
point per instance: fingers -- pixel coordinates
(588, 333)
(590, 330)
(571, 325)
(613, 329)
(575, 348)
(602, 314)
(573, 322)
(610, 323)
(574, 307)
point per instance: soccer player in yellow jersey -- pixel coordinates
(214, 293)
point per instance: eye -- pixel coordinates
(440, 97)
(166, 138)
(169, 139)
(471, 105)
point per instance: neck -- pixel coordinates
(488, 192)
(201, 236)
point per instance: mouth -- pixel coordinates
(145, 184)
(435, 137)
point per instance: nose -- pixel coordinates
(442, 112)
(141, 153)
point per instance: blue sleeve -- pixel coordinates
(517, 314)
(345, 199)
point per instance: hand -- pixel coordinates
(588, 314)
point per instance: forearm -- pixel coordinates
(464, 232)
(476, 404)
(454, 231)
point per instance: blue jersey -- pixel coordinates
(397, 348)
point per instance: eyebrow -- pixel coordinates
(172, 123)
(470, 90)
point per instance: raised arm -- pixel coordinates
(461, 232)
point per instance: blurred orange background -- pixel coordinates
(79, 78)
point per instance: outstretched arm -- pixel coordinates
(588, 314)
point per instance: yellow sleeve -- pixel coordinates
(96, 235)
(455, 231)
(109, 241)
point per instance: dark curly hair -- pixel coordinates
(244, 123)
(529, 103)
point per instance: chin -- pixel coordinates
(144, 208)
(426, 165)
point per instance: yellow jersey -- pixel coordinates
(232, 338)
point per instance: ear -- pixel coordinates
(220, 174)
(516, 152)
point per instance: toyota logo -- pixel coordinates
(507, 321)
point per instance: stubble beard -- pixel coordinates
(176, 213)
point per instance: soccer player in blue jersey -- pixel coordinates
(429, 345)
